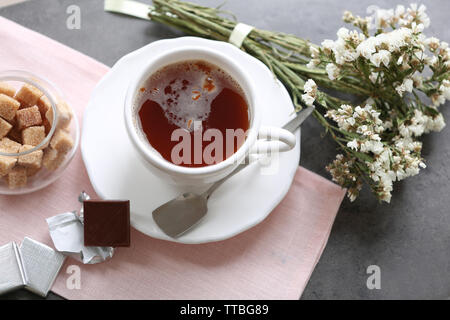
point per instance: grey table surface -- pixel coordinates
(409, 239)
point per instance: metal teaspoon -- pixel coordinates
(181, 214)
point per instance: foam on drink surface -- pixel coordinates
(185, 91)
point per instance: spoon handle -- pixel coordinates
(217, 184)
(296, 122)
(291, 126)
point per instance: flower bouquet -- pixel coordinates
(395, 75)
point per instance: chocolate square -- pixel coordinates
(106, 223)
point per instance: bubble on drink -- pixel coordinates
(185, 91)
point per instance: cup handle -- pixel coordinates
(273, 140)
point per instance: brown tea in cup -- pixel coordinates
(197, 101)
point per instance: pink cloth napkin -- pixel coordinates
(273, 260)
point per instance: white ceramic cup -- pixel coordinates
(259, 139)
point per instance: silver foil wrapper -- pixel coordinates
(41, 264)
(12, 274)
(67, 233)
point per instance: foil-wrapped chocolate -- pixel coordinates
(41, 264)
(12, 274)
(67, 233)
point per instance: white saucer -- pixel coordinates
(116, 171)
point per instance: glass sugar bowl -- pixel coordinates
(39, 132)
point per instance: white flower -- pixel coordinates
(350, 121)
(419, 124)
(376, 75)
(445, 89)
(401, 174)
(310, 87)
(385, 157)
(406, 86)
(417, 80)
(404, 131)
(396, 38)
(417, 130)
(352, 195)
(315, 57)
(372, 146)
(418, 14)
(364, 130)
(437, 99)
(308, 99)
(393, 40)
(332, 70)
(314, 52)
(383, 56)
(328, 45)
(343, 51)
(356, 37)
(400, 90)
(377, 147)
(386, 196)
(347, 56)
(340, 170)
(387, 125)
(343, 34)
(353, 144)
(313, 63)
(347, 16)
(417, 28)
(438, 123)
(433, 61)
(405, 144)
(384, 178)
(367, 47)
(432, 43)
(399, 11)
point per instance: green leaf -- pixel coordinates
(363, 156)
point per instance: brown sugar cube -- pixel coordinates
(64, 115)
(49, 116)
(52, 159)
(17, 177)
(32, 171)
(5, 128)
(15, 134)
(31, 160)
(62, 141)
(33, 135)
(44, 105)
(28, 117)
(8, 107)
(46, 125)
(7, 89)
(50, 156)
(28, 96)
(6, 164)
(9, 146)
